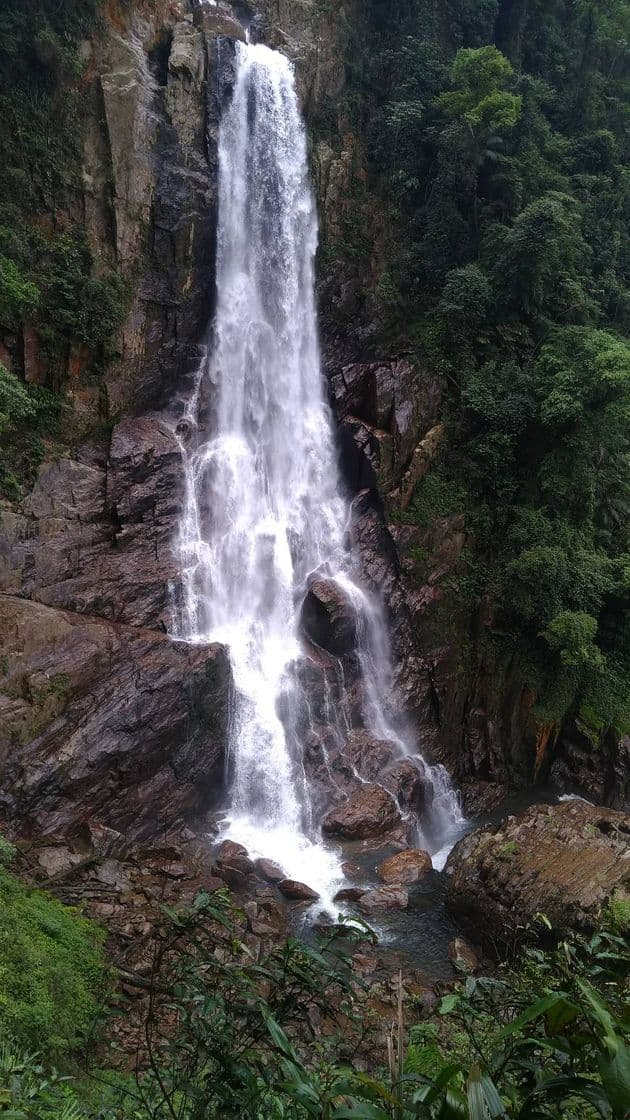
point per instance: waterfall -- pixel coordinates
(264, 509)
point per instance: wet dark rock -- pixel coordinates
(405, 867)
(233, 855)
(594, 764)
(213, 883)
(565, 861)
(462, 957)
(270, 870)
(297, 891)
(99, 540)
(352, 870)
(480, 797)
(394, 398)
(57, 859)
(329, 618)
(127, 729)
(392, 897)
(371, 811)
(368, 755)
(349, 894)
(407, 781)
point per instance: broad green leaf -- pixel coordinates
(615, 1075)
(491, 1093)
(557, 1088)
(560, 1015)
(540, 1007)
(475, 1095)
(601, 1013)
(449, 1003)
(360, 1110)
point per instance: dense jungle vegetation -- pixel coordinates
(498, 137)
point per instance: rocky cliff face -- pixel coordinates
(105, 715)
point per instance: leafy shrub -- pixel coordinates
(572, 635)
(29, 1091)
(52, 971)
(17, 294)
(16, 405)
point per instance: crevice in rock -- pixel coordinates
(159, 56)
(116, 524)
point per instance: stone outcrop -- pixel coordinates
(462, 957)
(387, 406)
(593, 763)
(566, 861)
(97, 535)
(405, 867)
(370, 812)
(296, 891)
(270, 871)
(329, 618)
(106, 716)
(106, 721)
(392, 897)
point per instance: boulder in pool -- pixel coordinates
(405, 867)
(269, 870)
(371, 811)
(392, 897)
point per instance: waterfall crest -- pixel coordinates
(264, 512)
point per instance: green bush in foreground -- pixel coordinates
(231, 1037)
(52, 970)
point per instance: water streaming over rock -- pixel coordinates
(264, 512)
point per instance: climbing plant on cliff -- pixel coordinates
(499, 136)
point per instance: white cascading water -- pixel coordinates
(264, 509)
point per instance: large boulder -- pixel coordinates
(108, 722)
(329, 618)
(566, 861)
(371, 811)
(296, 891)
(405, 867)
(392, 897)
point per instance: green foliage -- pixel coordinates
(572, 635)
(479, 97)
(466, 297)
(538, 262)
(16, 405)
(620, 914)
(52, 971)
(547, 1039)
(234, 1054)
(17, 294)
(501, 145)
(243, 1039)
(29, 1091)
(7, 852)
(26, 413)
